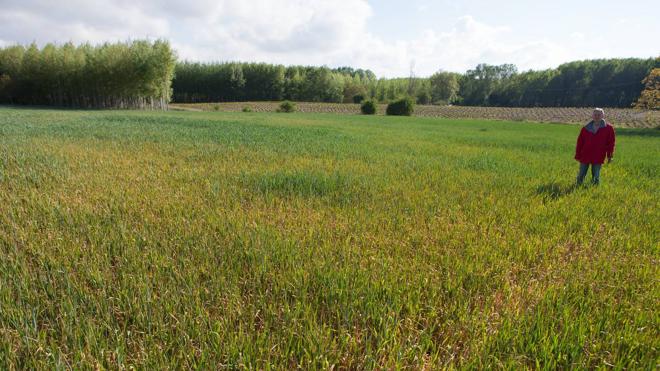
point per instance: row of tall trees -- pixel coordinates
(224, 82)
(602, 82)
(145, 74)
(135, 74)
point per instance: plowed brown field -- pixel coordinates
(620, 117)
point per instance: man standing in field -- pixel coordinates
(595, 142)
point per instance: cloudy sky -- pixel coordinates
(388, 37)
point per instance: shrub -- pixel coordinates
(216, 107)
(423, 97)
(401, 107)
(368, 107)
(358, 98)
(247, 109)
(287, 106)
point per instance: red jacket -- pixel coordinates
(592, 147)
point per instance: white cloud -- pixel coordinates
(331, 32)
(579, 36)
(26, 21)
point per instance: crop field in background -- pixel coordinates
(620, 117)
(213, 239)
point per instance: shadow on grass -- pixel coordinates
(654, 133)
(554, 191)
(29, 107)
(339, 188)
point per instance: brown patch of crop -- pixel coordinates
(619, 117)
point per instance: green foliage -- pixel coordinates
(287, 107)
(387, 90)
(608, 83)
(401, 107)
(368, 107)
(359, 73)
(477, 84)
(134, 74)
(444, 87)
(423, 97)
(229, 82)
(650, 97)
(140, 73)
(600, 82)
(321, 85)
(5, 88)
(247, 109)
(355, 89)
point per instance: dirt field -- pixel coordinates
(620, 117)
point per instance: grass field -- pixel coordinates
(211, 239)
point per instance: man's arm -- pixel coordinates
(610, 145)
(578, 145)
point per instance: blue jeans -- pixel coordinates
(595, 173)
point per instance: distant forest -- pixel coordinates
(145, 74)
(601, 82)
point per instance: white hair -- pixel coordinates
(599, 110)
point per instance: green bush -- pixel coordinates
(358, 98)
(368, 107)
(287, 107)
(401, 107)
(247, 109)
(423, 97)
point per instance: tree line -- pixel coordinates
(135, 74)
(601, 82)
(196, 82)
(145, 74)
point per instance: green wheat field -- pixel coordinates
(210, 240)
